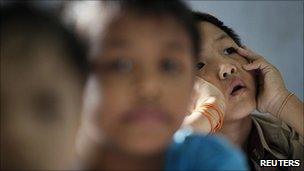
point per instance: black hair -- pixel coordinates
(204, 17)
(177, 9)
(28, 16)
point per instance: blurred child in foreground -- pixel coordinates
(43, 70)
(143, 56)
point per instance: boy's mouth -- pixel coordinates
(237, 86)
(146, 116)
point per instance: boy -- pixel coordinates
(43, 70)
(143, 55)
(249, 82)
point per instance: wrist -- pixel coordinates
(198, 122)
(277, 102)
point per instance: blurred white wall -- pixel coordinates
(274, 29)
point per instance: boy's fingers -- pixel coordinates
(242, 51)
(248, 54)
(249, 50)
(257, 64)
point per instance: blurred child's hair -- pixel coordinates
(156, 8)
(33, 23)
(177, 9)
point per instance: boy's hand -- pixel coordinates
(271, 87)
(205, 93)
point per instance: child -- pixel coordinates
(247, 87)
(43, 70)
(143, 56)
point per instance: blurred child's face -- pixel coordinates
(223, 68)
(145, 70)
(40, 99)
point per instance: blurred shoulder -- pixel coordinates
(205, 152)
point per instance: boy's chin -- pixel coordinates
(145, 146)
(238, 113)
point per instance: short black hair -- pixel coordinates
(175, 8)
(204, 17)
(28, 16)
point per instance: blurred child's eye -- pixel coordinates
(46, 106)
(170, 65)
(229, 51)
(123, 65)
(200, 65)
(119, 66)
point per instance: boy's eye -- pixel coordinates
(169, 65)
(119, 65)
(46, 106)
(123, 65)
(200, 65)
(229, 51)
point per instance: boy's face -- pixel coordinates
(218, 60)
(40, 99)
(145, 70)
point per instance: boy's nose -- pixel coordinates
(148, 89)
(226, 70)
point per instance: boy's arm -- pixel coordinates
(273, 96)
(290, 109)
(207, 108)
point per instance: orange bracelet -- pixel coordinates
(209, 105)
(204, 111)
(208, 116)
(220, 114)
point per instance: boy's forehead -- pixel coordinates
(41, 61)
(125, 20)
(212, 34)
(33, 47)
(210, 31)
(128, 29)
(36, 58)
